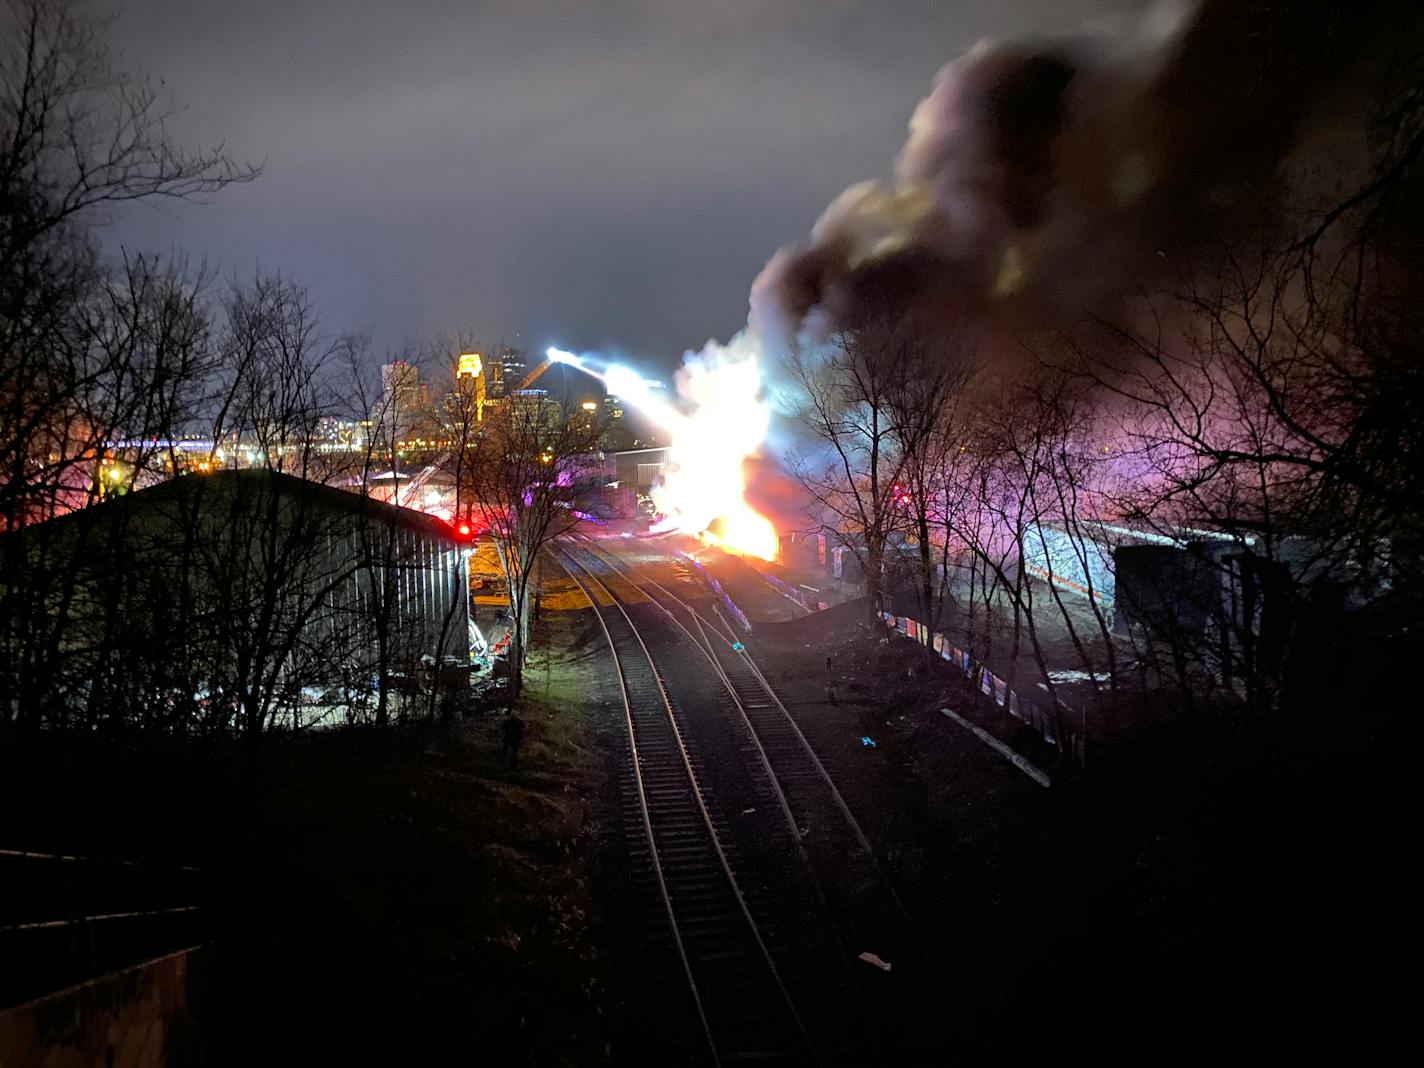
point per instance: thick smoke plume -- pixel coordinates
(1044, 181)
(1043, 189)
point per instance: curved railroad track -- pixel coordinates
(740, 996)
(849, 881)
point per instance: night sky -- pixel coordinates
(599, 175)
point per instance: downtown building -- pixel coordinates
(403, 408)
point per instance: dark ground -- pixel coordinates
(382, 897)
(1209, 889)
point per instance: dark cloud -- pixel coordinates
(1046, 179)
(594, 173)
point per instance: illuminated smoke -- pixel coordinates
(1043, 180)
(634, 390)
(1039, 182)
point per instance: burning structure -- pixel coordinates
(1159, 283)
(720, 426)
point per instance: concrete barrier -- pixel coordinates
(145, 1016)
(1021, 708)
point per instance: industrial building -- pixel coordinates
(233, 600)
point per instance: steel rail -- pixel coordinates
(27, 854)
(79, 921)
(730, 640)
(707, 649)
(648, 822)
(704, 646)
(697, 794)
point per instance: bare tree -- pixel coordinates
(871, 404)
(135, 372)
(1264, 410)
(400, 641)
(461, 418)
(991, 510)
(850, 465)
(77, 134)
(524, 471)
(87, 352)
(930, 424)
(260, 554)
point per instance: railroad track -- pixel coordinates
(851, 883)
(740, 996)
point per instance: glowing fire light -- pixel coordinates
(744, 530)
(723, 425)
(704, 491)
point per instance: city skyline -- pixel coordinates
(600, 177)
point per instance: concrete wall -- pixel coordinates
(146, 1016)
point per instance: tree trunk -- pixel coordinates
(874, 579)
(927, 601)
(383, 715)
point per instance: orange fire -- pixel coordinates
(745, 531)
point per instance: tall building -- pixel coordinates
(401, 404)
(531, 407)
(492, 373)
(400, 386)
(585, 418)
(513, 365)
(617, 434)
(469, 365)
(471, 389)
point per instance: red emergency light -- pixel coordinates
(462, 529)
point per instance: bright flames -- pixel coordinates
(746, 532)
(723, 424)
(704, 489)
